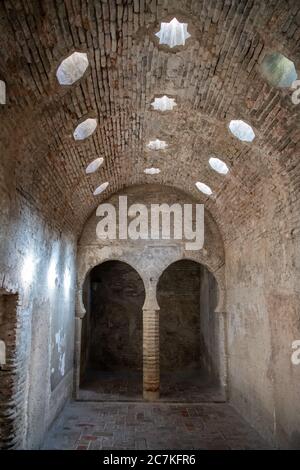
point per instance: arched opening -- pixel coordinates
(189, 333)
(112, 333)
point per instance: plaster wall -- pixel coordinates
(37, 263)
(263, 274)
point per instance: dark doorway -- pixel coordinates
(112, 333)
(189, 349)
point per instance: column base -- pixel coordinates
(151, 396)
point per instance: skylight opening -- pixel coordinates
(157, 144)
(72, 68)
(94, 165)
(85, 129)
(152, 171)
(101, 188)
(241, 130)
(278, 70)
(204, 188)
(173, 34)
(218, 165)
(163, 104)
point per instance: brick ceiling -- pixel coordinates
(214, 78)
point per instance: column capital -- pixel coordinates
(79, 309)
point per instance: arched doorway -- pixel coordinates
(111, 365)
(187, 294)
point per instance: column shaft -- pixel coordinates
(151, 379)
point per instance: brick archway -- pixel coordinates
(156, 265)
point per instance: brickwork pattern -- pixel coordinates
(214, 77)
(12, 375)
(151, 377)
(92, 426)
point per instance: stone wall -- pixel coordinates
(210, 325)
(263, 275)
(150, 257)
(37, 267)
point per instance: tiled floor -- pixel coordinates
(185, 386)
(89, 425)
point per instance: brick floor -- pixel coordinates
(91, 425)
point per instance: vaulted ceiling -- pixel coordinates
(214, 77)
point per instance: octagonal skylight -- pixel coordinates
(72, 68)
(204, 188)
(94, 165)
(85, 129)
(218, 165)
(164, 103)
(173, 34)
(152, 171)
(241, 130)
(101, 188)
(278, 70)
(157, 144)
